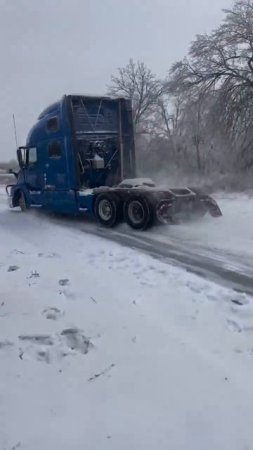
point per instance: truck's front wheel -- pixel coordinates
(22, 202)
(107, 209)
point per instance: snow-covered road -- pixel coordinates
(104, 347)
(217, 249)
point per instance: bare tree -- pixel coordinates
(137, 82)
(222, 63)
(201, 117)
(226, 55)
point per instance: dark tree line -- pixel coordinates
(201, 116)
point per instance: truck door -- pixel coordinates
(55, 173)
(57, 193)
(32, 173)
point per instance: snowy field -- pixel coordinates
(102, 347)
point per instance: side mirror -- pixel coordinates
(20, 158)
(12, 172)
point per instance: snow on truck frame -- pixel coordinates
(79, 158)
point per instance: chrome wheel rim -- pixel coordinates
(105, 210)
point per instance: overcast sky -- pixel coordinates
(52, 47)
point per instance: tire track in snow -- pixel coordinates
(220, 267)
(223, 267)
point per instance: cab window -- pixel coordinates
(31, 156)
(52, 125)
(54, 150)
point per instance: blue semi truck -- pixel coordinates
(79, 158)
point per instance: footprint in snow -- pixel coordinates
(212, 298)
(41, 339)
(149, 284)
(17, 252)
(46, 348)
(64, 282)
(120, 259)
(13, 268)
(48, 255)
(244, 311)
(52, 313)
(76, 340)
(34, 274)
(240, 301)
(234, 326)
(194, 288)
(44, 356)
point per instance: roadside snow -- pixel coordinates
(231, 233)
(102, 347)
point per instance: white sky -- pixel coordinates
(52, 47)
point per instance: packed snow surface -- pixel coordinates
(102, 347)
(232, 233)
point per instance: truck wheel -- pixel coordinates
(107, 209)
(22, 202)
(138, 213)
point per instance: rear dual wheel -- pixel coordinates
(138, 213)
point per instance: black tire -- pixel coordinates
(107, 209)
(138, 213)
(22, 202)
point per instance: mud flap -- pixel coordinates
(211, 206)
(165, 212)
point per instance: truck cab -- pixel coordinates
(77, 144)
